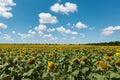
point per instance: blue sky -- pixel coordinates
(59, 21)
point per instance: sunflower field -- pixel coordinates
(59, 62)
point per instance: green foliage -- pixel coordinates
(67, 60)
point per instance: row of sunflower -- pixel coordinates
(60, 63)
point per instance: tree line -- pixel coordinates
(112, 43)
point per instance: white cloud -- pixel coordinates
(62, 30)
(80, 25)
(109, 30)
(40, 33)
(32, 33)
(14, 32)
(50, 29)
(7, 37)
(3, 26)
(47, 18)
(41, 28)
(5, 7)
(49, 36)
(68, 24)
(82, 35)
(29, 35)
(65, 9)
(74, 33)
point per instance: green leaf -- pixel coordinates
(70, 68)
(84, 70)
(71, 77)
(98, 76)
(26, 79)
(45, 75)
(28, 73)
(4, 65)
(114, 75)
(75, 73)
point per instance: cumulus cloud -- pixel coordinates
(65, 9)
(3, 26)
(5, 8)
(109, 30)
(50, 29)
(80, 25)
(49, 36)
(7, 37)
(41, 27)
(29, 35)
(47, 18)
(62, 30)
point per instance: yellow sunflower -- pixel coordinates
(107, 58)
(84, 58)
(117, 63)
(117, 54)
(30, 61)
(51, 66)
(103, 65)
(75, 60)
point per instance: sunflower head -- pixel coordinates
(117, 54)
(97, 62)
(75, 60)
(51, 66)
(107, 58)
(84, 58)
(117, 63)
(109, 53)
(118, 50)
(30, 61)
(48, 55)
(103, 65)
(12, 53)
(1, 55)
(19, 57)
(8, 60)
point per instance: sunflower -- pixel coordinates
(8, 60)
(97, 62)
(75, 60)
(109, 53)
(1, 55)
(84, 58)
(117, 54)
(103, 65)
(48, 55)
(19, 57)
(117, 63)
(118, 50)
(107, 58)
(30, 61)
(51, 66)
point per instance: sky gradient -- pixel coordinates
(59, 21)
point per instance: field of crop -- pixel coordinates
(59, 62)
